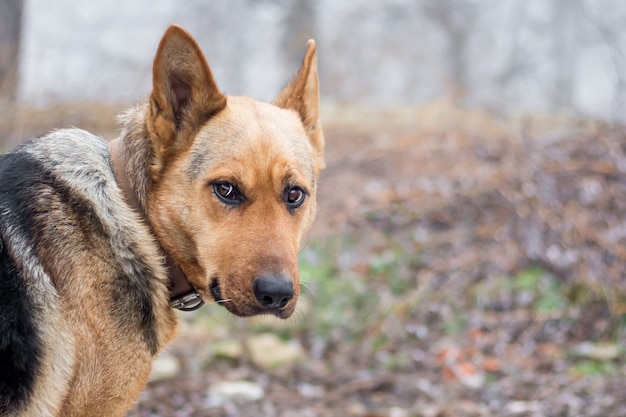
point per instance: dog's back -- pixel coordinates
(217, 190)
(69, 245)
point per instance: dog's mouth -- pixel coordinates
(216, 291)
(247, 308)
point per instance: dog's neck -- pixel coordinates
(182, 294)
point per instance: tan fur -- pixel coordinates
(255, 143)
(172, 149)
(92, 283)
(55, 376)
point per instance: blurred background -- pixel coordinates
(509, 56)
(470, 249)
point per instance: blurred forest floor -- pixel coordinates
(461, 264)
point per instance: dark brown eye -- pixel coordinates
(227, 193)
(294, 197)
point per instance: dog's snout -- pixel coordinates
(273, 291)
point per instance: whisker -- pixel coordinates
(224, 301)
(308, 287)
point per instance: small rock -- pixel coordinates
(227, 349)
(165, 366)
(311, 391)
(522, 407)
(356, 409)
(230, 391)
(598, 351)
(398, 412)
(270, 352)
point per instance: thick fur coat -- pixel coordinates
(221, 188)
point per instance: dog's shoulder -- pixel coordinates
(66, 232)
(62, 158)
(30, 178)
(54, 177)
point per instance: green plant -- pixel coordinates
(590, 368)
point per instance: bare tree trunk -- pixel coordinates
(455, 18)
(10, 30)
(566, 29)
(299, 26)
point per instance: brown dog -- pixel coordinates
(203, 196)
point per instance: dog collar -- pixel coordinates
(183, 296)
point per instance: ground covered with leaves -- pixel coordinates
(461, 265)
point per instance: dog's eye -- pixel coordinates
(294, 197)
(227, 193)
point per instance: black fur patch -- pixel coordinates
(19, 341)
(48, 212)
(20, 345)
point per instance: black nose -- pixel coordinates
(273, 291)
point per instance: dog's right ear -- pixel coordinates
(184, 95)
(302, 96)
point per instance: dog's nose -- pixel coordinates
(273, 291)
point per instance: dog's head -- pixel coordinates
(233, 180)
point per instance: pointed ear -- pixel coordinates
(184, 93)
(302, 95)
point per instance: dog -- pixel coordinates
(203, 196)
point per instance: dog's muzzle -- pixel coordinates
(273, 291)
(272, 295)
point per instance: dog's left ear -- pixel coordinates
(184, 94)
(302, 95)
